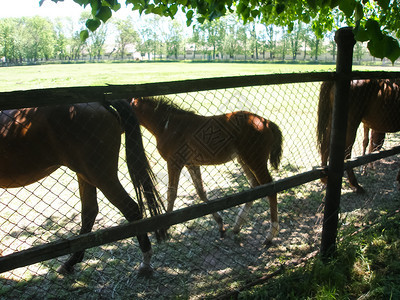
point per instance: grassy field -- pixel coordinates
(85, 74)
(195, 263)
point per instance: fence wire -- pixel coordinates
(195, 262)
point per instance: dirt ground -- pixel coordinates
(196, 263)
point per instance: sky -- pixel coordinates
(28, 8)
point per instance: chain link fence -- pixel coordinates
(195, 263)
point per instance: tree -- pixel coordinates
(76, 45)
(254, 42)
(60, 46)
(231, 45)
(8, 41)
(95, 43)
(174, 39)
(270, 43)
(197, 39)
(215, 35)
(150, 37)
(38, 38)
(126, 35)
(295, 36)
(375, 22)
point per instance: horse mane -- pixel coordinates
(164, 104)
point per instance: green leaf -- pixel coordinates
(383, 3)
(84, 35)
(279, 8)
(312, 4)
(158, 11)
(359, 12)
(241, 7)
(306, 18)
(347, 6)
(104, 13)
(376, 49)
(189, 14)
(290, 27)
(255, 13)
(334, 3)
(113, 4)
(360, 34)
(83, 3)
(93, 24)
(391, 48)
(95, 5)
(173, 9)
(374, 30)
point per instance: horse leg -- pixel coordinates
(258, 174)
(174, 171)
(89, 212)
(195, 173)
(116, 194)
(244, 211)
(377, 140)
(398, 179)
(354, 182)
(365, 145)
(366, 139)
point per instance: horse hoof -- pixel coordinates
(267, 243)
(222, 233)
(65, 270)
(145, 271)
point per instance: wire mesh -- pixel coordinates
(195, 262)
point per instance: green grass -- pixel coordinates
(90, 74)
(366, 265)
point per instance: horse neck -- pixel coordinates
(155, 121)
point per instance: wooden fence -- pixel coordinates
(343, 75)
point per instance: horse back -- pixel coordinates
(36, 141)
(383, 110)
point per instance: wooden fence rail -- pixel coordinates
(71, 95)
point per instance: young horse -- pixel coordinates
(190, 140)
(375, 102)
(86, 138)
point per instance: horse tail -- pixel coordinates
(138, 166)
(324, 116)
(276, 151)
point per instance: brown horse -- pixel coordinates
(374, 102)
(86, 138)
(187, 139)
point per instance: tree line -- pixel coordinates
(34, 39)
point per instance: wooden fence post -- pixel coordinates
(345, 42)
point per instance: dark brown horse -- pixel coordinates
(187, 139)
(86, 138)
(375, 103)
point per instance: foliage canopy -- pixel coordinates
(375, 21)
